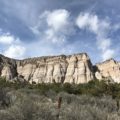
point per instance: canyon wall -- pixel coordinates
(75, 68)
(109, 69)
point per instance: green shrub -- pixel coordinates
(95, 100)
(93, 88)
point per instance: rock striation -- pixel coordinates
(76, 68)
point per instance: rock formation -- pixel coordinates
(75, 68)
(109, 69)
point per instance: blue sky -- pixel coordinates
(31, 28)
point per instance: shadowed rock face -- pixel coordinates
(75, 68)
(7, 67)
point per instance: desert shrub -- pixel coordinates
(27, 107)
(93, 88)
(4, 98)
(72, 88)
(3, 82)
(95, 100)
(30, 104)
(87, 108)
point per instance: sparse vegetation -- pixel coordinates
(96, 100)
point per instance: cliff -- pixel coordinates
(75, 68)
(109, 69)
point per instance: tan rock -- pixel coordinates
(79, 69)
(109, 69)
(75, 68)
(8, 72)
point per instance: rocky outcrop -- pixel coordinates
(109, 69)
(75, 68)
(79, 69)
(7, 67)
(60, 69)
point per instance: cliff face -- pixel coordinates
(109, 69)
(75, 68)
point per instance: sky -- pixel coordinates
(33, 28)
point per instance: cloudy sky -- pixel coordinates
(30, 28)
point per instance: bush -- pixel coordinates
(30, 104)
(93, 88)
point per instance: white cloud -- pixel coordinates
(58, 19)
(12, 45)
(7, 39)
(103, 44)
(93, 23)
(88, 21)
(15, 51)
(54, 37)
(54, 26)
(109, 53)
(101, 29)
